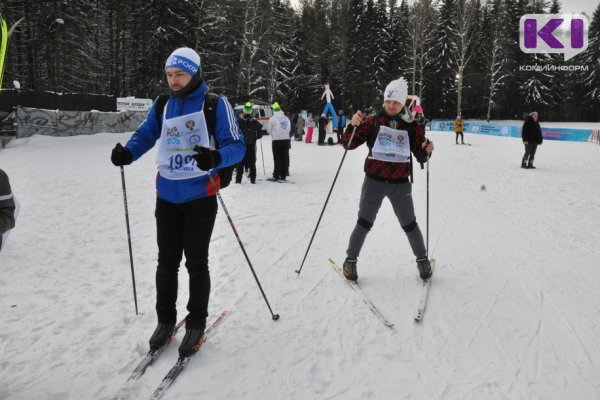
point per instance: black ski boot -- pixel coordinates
(424, 268)
(161, 336)
(349, 269)
(524, 163)
(193, 339)
(530, 164)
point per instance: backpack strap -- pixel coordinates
(210, 110)
(161, 103)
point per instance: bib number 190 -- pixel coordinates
(177, 161)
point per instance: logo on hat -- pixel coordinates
(185, 59)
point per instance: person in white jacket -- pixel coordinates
(279, 127)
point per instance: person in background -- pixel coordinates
(279, 128)
(532, 137)
(323, 121)
(341, 125)
(458, 129)
(310, 127)
(299, 128)
(8, 208)
(252, 132)
(391, 136)
(186, 185)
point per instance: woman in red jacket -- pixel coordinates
(392, 137)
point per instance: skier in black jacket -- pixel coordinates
(252, 132)
(532, 137)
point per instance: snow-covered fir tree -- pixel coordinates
(592, 61)
(441, 74)
(420, 34)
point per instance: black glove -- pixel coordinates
(121, 156)
(206, 158)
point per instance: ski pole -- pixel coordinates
(427, 220)
(326, 201)
(212, 181)
(129, 238)
(263, 157)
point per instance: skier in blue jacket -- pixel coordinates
(186, 207)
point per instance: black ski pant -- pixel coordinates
(281, 158)
(249, 162)
(372, 195)
(530, 149)
(462, 138)
(322, 134)
(184, 228)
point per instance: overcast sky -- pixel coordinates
(580, 5)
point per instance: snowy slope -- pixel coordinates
(514, 310)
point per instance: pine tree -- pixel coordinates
(357, 57)
(381, 57)
(371, 53)
(535, 89)
(339, 43)
(510, 99)
(220, 44)
(467, 16)
(280, 61)
(592, 61)
(495, 42)
(441, 74)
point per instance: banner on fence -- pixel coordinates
(36, 121)
(481, 128)
(133, 104)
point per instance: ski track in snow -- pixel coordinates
(512, 313)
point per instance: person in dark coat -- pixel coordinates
(323, 121)
(532, 137)
(252, 132)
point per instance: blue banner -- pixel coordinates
(482, 128)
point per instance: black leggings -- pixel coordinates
(249, 162)
(183, 228)
(530, 149)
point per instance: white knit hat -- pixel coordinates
(396, 90)
(185, 59)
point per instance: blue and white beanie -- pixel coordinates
(185, 59)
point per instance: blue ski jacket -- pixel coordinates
(227, 134)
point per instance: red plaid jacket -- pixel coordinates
(367, 132)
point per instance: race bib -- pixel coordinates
(178, 137)
(391, 145)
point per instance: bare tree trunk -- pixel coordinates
(422, 17)
(498, 60)
(248, 48)
(466, 13)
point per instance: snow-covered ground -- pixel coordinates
(514, 307)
